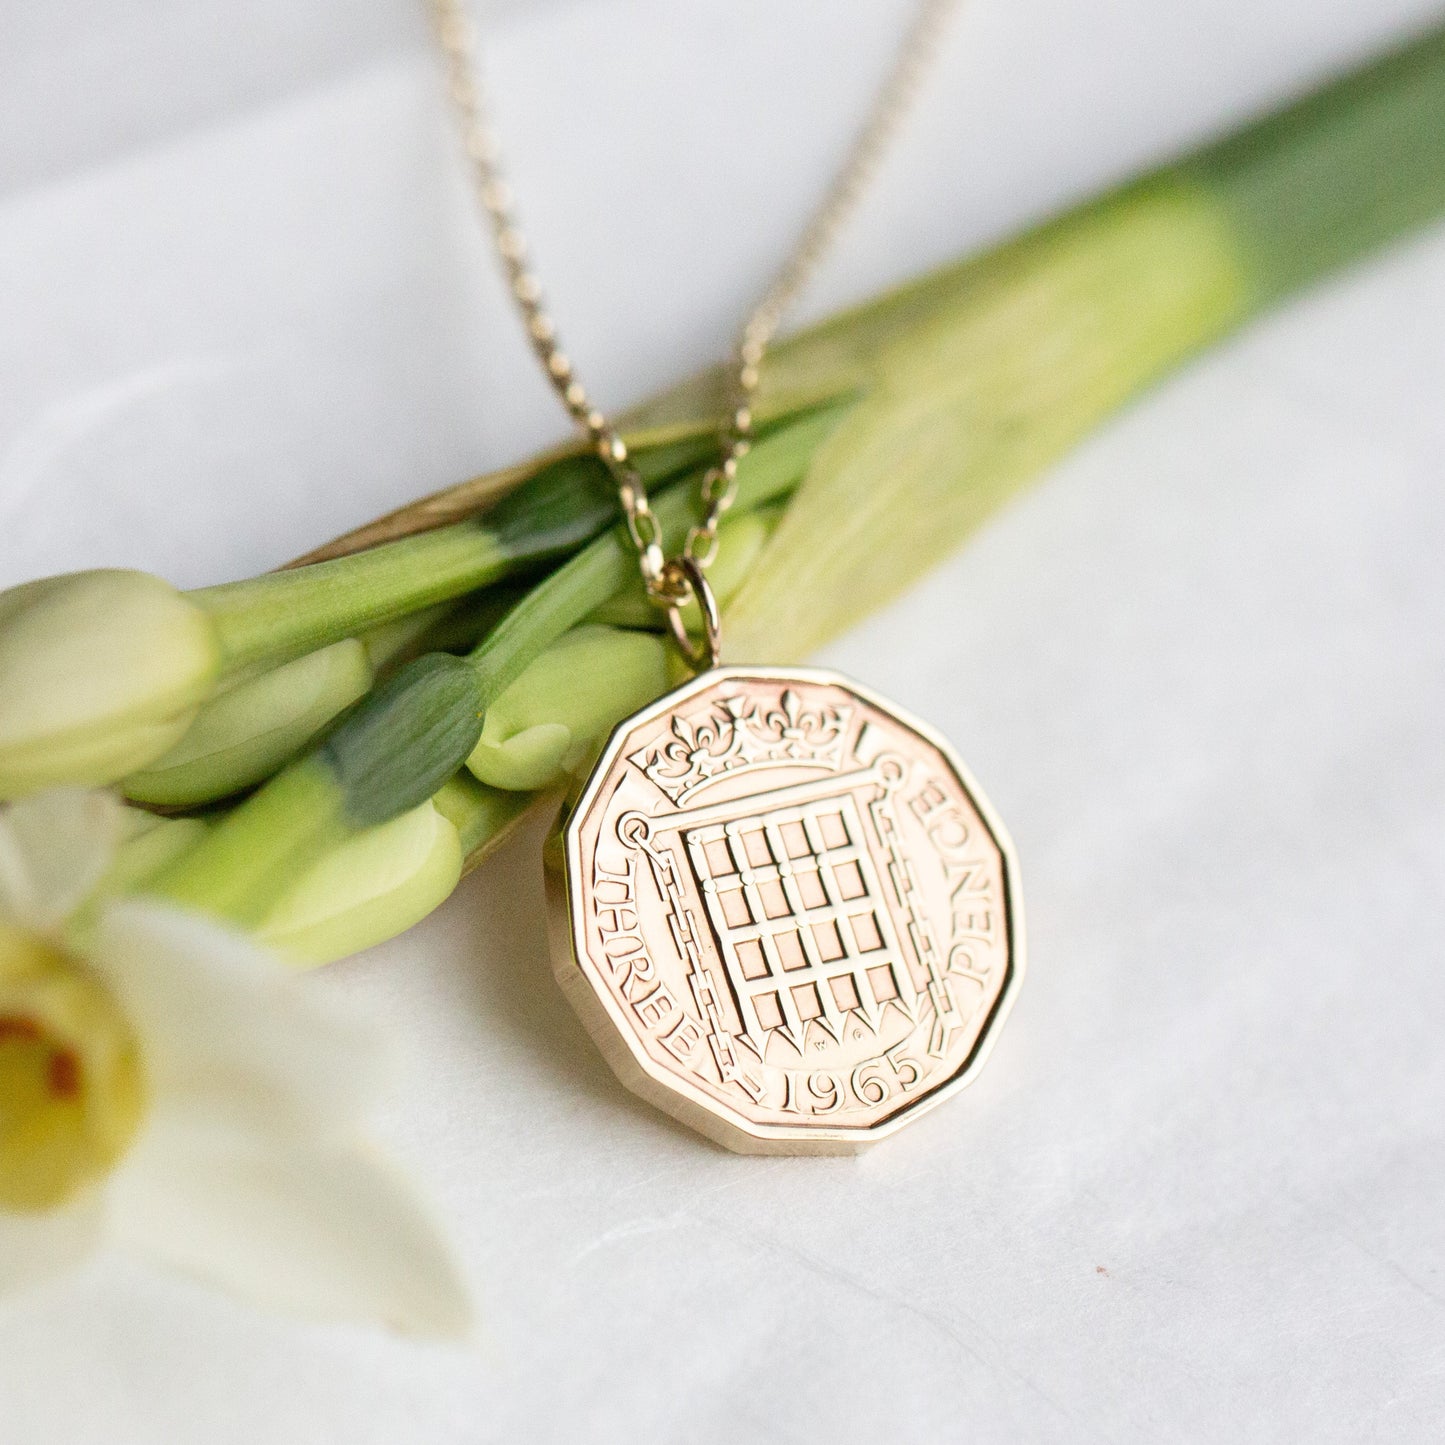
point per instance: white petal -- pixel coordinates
(34, 1247)
(228, 1034)
(54, 848)
(327, 1230)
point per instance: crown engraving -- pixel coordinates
(738, 733)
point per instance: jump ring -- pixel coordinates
(708, 653)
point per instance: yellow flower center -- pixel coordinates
(71, 1089)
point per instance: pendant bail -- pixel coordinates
(706, 654)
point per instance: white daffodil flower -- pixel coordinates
(167, 1085)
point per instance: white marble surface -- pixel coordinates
(1197, 1194)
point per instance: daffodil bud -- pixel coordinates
(482, 816)
(549, 721)
(366, 889)
(100, 673)
(386, 757)
(248, 731)
(71, 1090)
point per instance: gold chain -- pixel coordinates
(672, 582)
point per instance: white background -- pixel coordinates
(1197, 1195)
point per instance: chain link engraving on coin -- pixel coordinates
(786, 914)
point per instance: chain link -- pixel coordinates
(673, 582)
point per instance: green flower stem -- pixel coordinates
(284, 614)
(1332, 178)
(469, 621)
(602, 568)
(394, 641)
(265, 620)
(447, 627)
